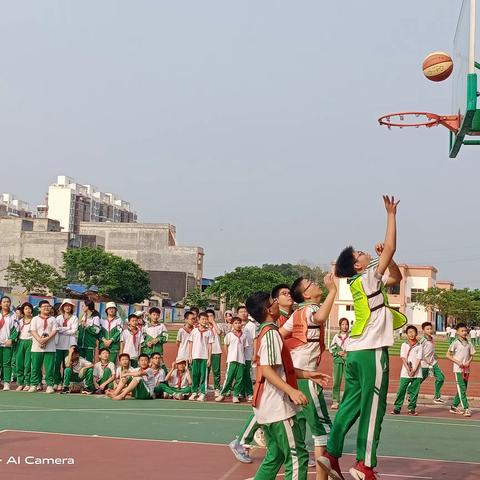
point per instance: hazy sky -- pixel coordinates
(249, 125)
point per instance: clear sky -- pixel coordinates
(249, 125)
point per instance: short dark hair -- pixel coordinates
(154, 310)
(124, 355)
(297, 290)
(426, 324)
(411, 327)
(187, 314)
(132, 315)
(236, 319)
(195, 310)
(144, 355)
(210, 310)
(461, 325)
(25, 304)
(344, 267)
(202, 314)
(43, 302)
(240, 307)
(256, 305)
(104, 349)
(276, 289)
(156, 353)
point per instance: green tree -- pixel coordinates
(197, 298)
(119, 279)
(292, 271)
(34, 276)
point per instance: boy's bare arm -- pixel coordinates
(321, 315)
(390, 243)
(452, 358)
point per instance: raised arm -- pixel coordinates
(321, 315)
(390, 243)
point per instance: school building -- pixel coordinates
(416, 279)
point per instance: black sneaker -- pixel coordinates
(65, 390)
(395, 412)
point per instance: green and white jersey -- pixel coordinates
(413, 354)
(44, 327)
(236, 347)
(461, 351)
(99, 369)
(429, 357)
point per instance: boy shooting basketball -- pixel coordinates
(366, 367)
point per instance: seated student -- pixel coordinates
(236, 342)
(158, 367)
(155, 334)
(140, 382)
(103, 372)
(77, 369)
(411, 354)
(123, 367)
(131, 340)
(177, 382)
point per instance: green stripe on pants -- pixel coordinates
(199, 375)
(285, 446)
(439, 379)
(413, 387)
(461, 396)
(215, 368)
(47, 360)
(365, 397)
(247, 387)
(234, 374)
(337, 380)
(59, 365)
(24, 362)
(245, 437)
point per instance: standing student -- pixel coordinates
(217, 330)
(8, 335)
(366, 367)
(461, 353)
(88, 330)
(131, 340)
(140, 382)
(452, 335)
(77, 369)
(43, 329)
(276, 396)
(196, 313)
(155, 334)
(184, 334)
(304, 336)
(429, 362)
(250, 331)
(24, 347)
(110, 331)
(67, 330)
(103, 372)
(200, 354)
(411, 354)
(337, 349)
(236, 343)
(473, 336)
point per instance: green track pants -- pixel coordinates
(413, 387)
(59, 365)
(337, 380)
(285, 446)
(215, 368)
(86, 377)
(47, 360)
(247, 387)
(6, 363)
(461, 396)
(199, 375)
(165, 388)
(234, 377)
(245, 437)
(24, 362)
(439, 379)
(365, 398)
(87, 353)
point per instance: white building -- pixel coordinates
(11, 206)
(71, 203)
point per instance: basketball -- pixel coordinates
(437, 66)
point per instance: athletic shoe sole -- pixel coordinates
(327, 468)
(356, 474)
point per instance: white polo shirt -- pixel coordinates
(67, 335)
(412, 354)
(429, 358)
(275, 405)
(216, 346)
(149, 381)
(43, 326)
(99, 369)
(132, 343)
(237, 345)
(182, 336)
(176, 382)
(159, 375)
(155, 331)
(250, 331)
(80, 364)
(461, 351)
(25, 330)
(9, 322)
(118, 372)
(200, 341)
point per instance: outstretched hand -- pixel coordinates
(390, 204)
(320, 378)
(329, 281)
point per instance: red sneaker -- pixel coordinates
(329, 464)
(361, 472)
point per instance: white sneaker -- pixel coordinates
(250, 398)
(235, 400)
(19, 388)
(49, 390)
(201, 398)
(219, 398)
(32, 389)
(6, 386)
(193, 396)
(217, 393)
(55, 387)
(438, 401)
(467, 413)
(39, 387)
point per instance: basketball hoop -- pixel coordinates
(420, 119)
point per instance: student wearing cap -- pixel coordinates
(177, 381)
(110, 331)
(24, 347)
(88, 330)
(67, 328)
(77, 370)
(8, 335)
(155, 334)
(44, 329)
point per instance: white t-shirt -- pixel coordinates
(99, 369)
(461, 351)
(216, 346)
(339, 339)
(275, 405)
(305, 357)
(236, 347)
(149, 380)
(42, 327)
(25, 330)
(378, 331)
(155, 331)
(66, 336)
(81, 363)
(173, 381)
(250, 331)
(159, 375)
(200, 341)
(118, 372)
(132, 343)
(453, 332)
(411, 355)
(182, 337)
(473, 334)
(429, 358)
(10, 321)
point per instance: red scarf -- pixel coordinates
(412, 346)
(65, 322)
(343, 340)
(179, 379)
(238, 334)
(134, 335)
(2, 322)
(45, 322)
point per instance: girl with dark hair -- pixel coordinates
(88, 330)
(8, 335)
(24, 347)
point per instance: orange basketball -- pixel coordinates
(437, 66)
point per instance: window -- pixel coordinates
(413, 294)
(349, 308)
(394, 289)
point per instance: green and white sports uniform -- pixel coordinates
(461, 350)
(338, 345)
(154, 332)
(43, 357)
(412, 354)
(88, 330)
(366, 367)
(236, 343)
(67, 329)
(216, 362)
(102, 373)
(200, 341)
(81, 371)
(23, 353)
(250, 331)
(145, 388)
(277, 415)
(132, 344)
(111, 330)
(8, 331)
